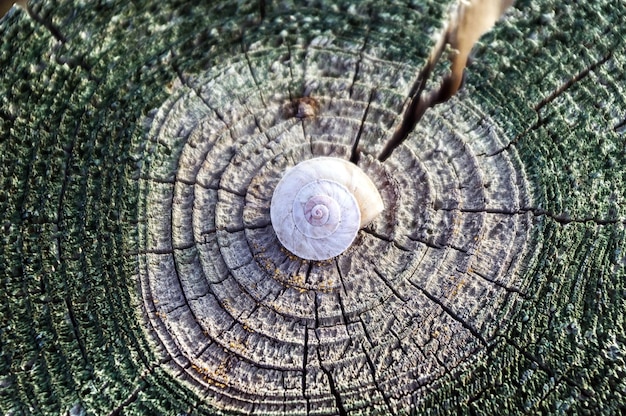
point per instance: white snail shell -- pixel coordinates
(319, 206)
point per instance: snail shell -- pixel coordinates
(319, 206)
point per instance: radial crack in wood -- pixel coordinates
(468, 21)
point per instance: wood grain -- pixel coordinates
(140, 145)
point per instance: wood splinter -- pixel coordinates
(469, 20)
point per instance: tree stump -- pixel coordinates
(141, 274)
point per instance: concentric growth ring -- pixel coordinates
(251, 326)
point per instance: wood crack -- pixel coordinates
(305, 359)
(262, 9)
(51, 27)
(357, 68)
(334, 391)
(428, 244)
(372, 369)
(385, 238)
(539, 212)
(254, 78)
(187, 83)
(355, 153)
(452, 314)
(134, 395)
(389, 285)
(467, 22)
(542, 120)
(76, 329)
(341, 411)
(72, 61)
(573, 80)
(543, 366)
(510, 289)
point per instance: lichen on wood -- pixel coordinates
(140, 144)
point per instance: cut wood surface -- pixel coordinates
(140, 145)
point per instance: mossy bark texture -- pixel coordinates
(140, 143)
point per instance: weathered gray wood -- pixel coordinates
(139, 148)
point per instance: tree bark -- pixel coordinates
(140, 144)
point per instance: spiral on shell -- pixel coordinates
(319, 206)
